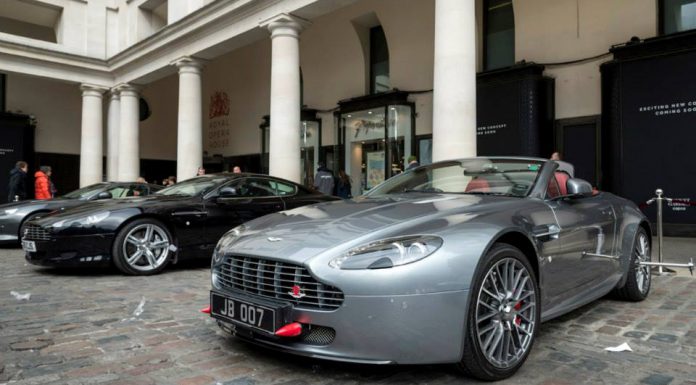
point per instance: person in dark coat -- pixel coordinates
(18, 182)
(412, 162)
(343, 185)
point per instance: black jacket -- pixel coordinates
(18, 185)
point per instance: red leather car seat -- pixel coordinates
(478, 184)
(562, 179)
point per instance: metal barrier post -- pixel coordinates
(659, 199)
(660, 265)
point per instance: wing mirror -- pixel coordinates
(578, 188)
(227, 192)
(104, 195)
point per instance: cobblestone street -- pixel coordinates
(100, 327)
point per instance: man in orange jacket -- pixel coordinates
(42, 185)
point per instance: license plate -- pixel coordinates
(243, 312)
(29, 246)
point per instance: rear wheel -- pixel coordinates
(142, 247)
(503, 315)
(637, 286)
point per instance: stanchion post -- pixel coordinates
(659, 199)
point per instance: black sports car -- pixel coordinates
(142, 235)
(13, 216)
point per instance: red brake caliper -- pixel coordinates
(517, 307)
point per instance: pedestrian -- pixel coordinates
(42, 189)
(201, 171)
(171, 181)
(343, 185)
(237, 170)
(412, 162)
(556, 156)
(324, 180)
(140, 179)
(18, 182)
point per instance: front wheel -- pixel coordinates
(637, 286)
(142, 247)
(503, 317)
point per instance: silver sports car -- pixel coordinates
(454, 262)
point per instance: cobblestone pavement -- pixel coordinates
(85, 327)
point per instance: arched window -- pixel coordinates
(379, 61)
(499, 34)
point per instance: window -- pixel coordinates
(677, 15)
(499, 34)
(379, 61)
(282, 188)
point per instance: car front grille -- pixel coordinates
(36, 233)
(277, 280)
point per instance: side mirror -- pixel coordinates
(578, 188)
(104, 195)
(227, 192)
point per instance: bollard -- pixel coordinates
(660, 265)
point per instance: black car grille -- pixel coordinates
(271, 279)
(36, 233)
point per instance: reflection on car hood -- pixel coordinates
(308, 230)
(94, 207)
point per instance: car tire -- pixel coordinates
(26, 221)
(637, 285)
(143, 247)
(501, 324)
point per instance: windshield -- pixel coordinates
(193, 186)
(85, 192)
(509, 177)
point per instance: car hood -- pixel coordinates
(94, 207)
(29, 203)
(307, 231)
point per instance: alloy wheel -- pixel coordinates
(642, 254)
(146, 247)
(506, 313)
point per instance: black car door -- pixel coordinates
(237, 202)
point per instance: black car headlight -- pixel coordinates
(225, 242)
(388, 253)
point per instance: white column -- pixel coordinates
(189, 150)
(129, 135)
(454, 82)
(112, 127)
(91, 145)
(284, 147)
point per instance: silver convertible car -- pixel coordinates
(454, 262)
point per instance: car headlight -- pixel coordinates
(10, 211)
(388, 253)
(225, 241)
(87, 221)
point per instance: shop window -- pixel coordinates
(379, 61)
(677, 15)
(499, 34)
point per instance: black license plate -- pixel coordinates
(243, 312)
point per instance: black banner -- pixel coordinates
(16, 143)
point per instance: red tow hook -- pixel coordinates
(290, 330)
(206, 310)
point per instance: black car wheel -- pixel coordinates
(142, 247)
(637, 286)
(25, 223)
(503, 317)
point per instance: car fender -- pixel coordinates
(631, 219)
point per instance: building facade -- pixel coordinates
(159, 87)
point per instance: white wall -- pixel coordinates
(57, 107)
(564, 30)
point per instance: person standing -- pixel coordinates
(323, 180)
(343, 185)
(42, 189)
(236, 170)
(412, 162)
(201, 171)
(18, 182)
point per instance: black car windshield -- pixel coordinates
(85, 192)
(483, 176)
(194, 186)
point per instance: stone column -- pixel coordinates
(189, 150)
(91, 142)
(454, 82)
(284, 147)
(112, 127)
(129, 135)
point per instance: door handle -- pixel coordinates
(550, 230)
